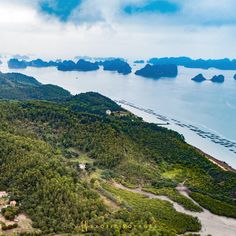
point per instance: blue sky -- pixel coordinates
(153, 6)
(61, 10)
(58, 8)
(127, 28)
(202, 12)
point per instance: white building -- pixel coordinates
(82, 166)
(108, 112)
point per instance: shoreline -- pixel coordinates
(166, 122)
(223, 165)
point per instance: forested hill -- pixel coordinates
(43, 143)
(21, 87)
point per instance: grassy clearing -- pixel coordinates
(173, 174)
(215, 206)
(162, 211)
(176, 197)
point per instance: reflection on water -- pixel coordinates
(208, 109)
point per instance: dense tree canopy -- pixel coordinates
(42, 142)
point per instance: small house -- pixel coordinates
(82, 166)
(108, 112)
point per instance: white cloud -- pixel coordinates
(106, 31)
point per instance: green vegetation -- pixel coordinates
(215, 206)
(8, 227)
(92, 103)
(49, 192)
(22, 87)
(42, 144)
(176, 197)
(10, 212)
(161, 211)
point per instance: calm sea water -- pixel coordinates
(208, 106)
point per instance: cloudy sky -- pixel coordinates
(124, 28)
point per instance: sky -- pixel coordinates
(136, 29)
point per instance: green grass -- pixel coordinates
(176, 197)
(215, 206)
(173, 174)
(162, 211)
(82, 158)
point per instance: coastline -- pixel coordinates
(223, 165)
(150, 116)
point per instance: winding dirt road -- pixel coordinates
(211, 224)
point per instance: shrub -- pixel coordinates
(8, 227)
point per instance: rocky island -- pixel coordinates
(139, 62)
(221, 64)
(218, 79)
(158, 71)
(199, 78)
(81, 65)
(117, 65)
(40, 63)
(17, 64)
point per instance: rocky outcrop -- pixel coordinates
(40, 63)
(218, 79)
(17, 64)
(199, 78)
(221, 64)
(117, 65)
(158, 71)
(139, 62)
(81, 65)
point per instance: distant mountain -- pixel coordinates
(114, 64)
(218, 79)
(235, 76)
(158, 71)
(21, 57)
(40, 63)
(81, 65)
(199, 78)
(222, 64)
(117, 65)
(139, 62)
(22, 87)
(22, 64)
(17, 64)
(87, 58)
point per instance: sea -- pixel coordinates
(205, 113)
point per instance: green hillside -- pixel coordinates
(21, 87)
(42, 144)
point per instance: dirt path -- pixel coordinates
(211, 224)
